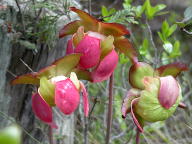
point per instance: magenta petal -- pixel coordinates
(85, 100)
(135, 120)
(66, 96)
(42, 110)
(90, 48)
(106, 67)
(69, 49)
(168, 91)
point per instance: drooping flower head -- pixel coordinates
(58, 86)
(97, 42)
(155, 94)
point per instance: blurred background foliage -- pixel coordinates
(161, 31)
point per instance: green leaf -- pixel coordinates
(172, 29)
(176, 50)
(144, 48)
(47, 91)
(161, 36)
(188, 14)
(10, 135)
(165, 29)
(168, 47)
(159, 7)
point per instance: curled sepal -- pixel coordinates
(70, 28)
(89, 22)
(136, 119)
(82, 74)
(42, 110)
(123, 45)
(26, 79)
(105, 67)
(114, 29)
(168, 91)
(107, 46)
(85, 100)
(137, 72)
(47, 91)
(89, 47)
(66, 96)
(173, 69)
(65, 65)
(126, 105)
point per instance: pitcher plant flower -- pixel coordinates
(98, 42)
(58, 86)
(155, 93)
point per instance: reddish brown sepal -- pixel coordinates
(173, 69)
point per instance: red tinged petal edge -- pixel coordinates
(42, 110)
(90, 49)
(105, 67)
(135, 120)
(168, 91)
(85, 100)
(173, 69)
(66, 96)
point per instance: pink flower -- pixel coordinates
(98, 54)
(65, 96)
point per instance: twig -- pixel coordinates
(11, 73)
(26, 65)
(94, 104)
(110, 110)
(156, 61)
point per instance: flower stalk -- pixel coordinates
(110, 110)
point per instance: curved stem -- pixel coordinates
(110, 110)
